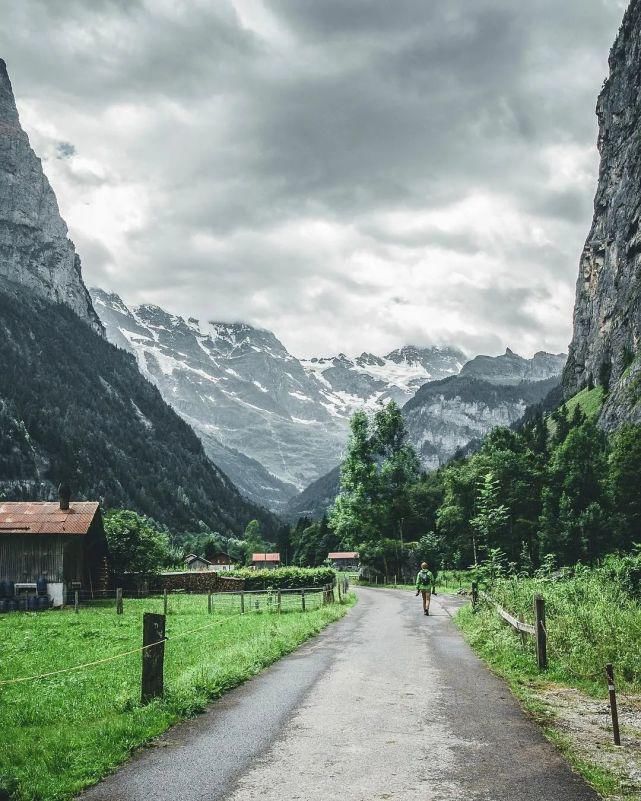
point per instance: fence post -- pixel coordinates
(541, 632)
(242, 603)
(278, 601)
(609, 672)
(209, 603)
(119, 601)
(475, 595)
(164, 602)
(340, 600)
(302, 600)
(153, 634)
(75, 602)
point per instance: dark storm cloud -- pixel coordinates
(306, 163)
(65, 150)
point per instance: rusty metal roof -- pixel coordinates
(34, 517)
(343, 555)
(266, 557)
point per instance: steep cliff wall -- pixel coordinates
(35, 250)
(607, 316)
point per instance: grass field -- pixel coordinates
(62, 733)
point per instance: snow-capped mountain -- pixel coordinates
(272, 422)
(260, 415)
(369, 380)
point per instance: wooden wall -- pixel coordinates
(26, 557)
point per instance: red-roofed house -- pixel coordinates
(63, 543)
(344, 560)
(268, 560)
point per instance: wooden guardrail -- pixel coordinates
(538, 630)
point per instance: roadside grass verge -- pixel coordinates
(590, 621)
(63, 733)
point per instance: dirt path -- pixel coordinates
(386, 704)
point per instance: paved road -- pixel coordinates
(385, 704)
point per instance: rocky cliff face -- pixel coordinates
(447, 415)
(35, 250)
(607, 315)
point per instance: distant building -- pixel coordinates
(266, 560)
(197, 563)
(222, 562)
(344, 560)
(52, 548)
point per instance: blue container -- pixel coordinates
(4, 605)
(32, 603)
(43, 602)
(41, 585)
(12, 605)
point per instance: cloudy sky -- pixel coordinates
(352, 174)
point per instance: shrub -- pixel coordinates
(285, 577)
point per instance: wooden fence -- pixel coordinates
(540, 634)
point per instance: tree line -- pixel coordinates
(556, 491)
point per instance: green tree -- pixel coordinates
(377, 476)
(491, 516)
(625, 484)
(254, 542)
(573, 524)
(353, 513)
(135, 544)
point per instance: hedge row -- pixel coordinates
(285, 577)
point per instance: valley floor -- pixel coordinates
(385, 704)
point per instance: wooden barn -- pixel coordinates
(265, 560)
(197, 563)
(222, 561)
(344, 560)
(63, 543)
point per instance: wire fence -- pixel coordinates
(224, 606)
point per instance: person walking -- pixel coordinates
(424, 583)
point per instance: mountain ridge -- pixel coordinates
(249, 398)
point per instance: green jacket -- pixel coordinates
(424, 580)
